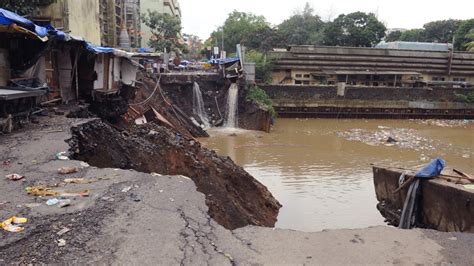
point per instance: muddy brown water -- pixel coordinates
(320, 169)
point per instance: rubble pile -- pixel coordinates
(235, 199)
(401, 137)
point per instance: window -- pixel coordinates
(305, 82)
(306, 76)
(298, 75)
(298, 82)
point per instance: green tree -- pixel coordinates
(393, 36)
(24, 7)
(441, 31)
(263, 65)
(302, 28)
(413, 35)
(470, 45)
(357, 29)
(165, 31)
(462, 34)
(195, 46)
(244, 28)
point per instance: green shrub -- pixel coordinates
(263, 65)
(469, 98)
(259, 96)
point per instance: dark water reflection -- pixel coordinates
(325, 181)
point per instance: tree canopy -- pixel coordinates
(441, 31)
(356, 29)
(245, 28)
(302, 28)
(305, 27)
(165, 31)
(462, 39)
(413, 35)
(393, 36)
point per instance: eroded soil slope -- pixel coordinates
(235, 199)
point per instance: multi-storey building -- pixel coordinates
(170, 7)
(78, 18)
(117, 15)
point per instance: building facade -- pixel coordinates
(78, 18)
(170, 7)
(322, 65)
(117, 15)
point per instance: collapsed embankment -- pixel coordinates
(235, 199)
(179, 90)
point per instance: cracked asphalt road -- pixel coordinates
(138, 218)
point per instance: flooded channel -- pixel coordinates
(320, 169)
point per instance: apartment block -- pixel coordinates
(170, 7)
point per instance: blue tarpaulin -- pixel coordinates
(8, 18)
(224, 61)
(431, 170)
(99, 49)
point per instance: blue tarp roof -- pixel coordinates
(8, 18)
(224, 61)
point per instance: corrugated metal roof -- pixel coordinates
(423, 46)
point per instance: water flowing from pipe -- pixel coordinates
(232, 104)
(198, 106)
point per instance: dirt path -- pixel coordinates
(132, 217)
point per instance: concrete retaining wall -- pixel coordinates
(309, 93)
(444, 205)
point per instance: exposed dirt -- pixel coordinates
(235, 199)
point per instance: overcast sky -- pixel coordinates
(201, 17)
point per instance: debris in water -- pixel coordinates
(391, 140)
(445, 123)
(404, 138)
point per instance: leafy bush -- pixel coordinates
(465, 98)
(263, 65)
(258, 95)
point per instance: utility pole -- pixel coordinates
(222, 49)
